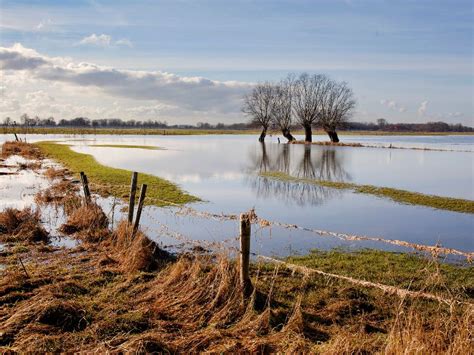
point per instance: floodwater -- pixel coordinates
(224, 172)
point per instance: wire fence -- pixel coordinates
(254, 219)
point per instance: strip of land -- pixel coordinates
(112, 181)
(402, 196)
(197, 131)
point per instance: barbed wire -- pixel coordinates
(434, 250)
(385, 288)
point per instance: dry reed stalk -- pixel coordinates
(88, 222)
(23, 149)
(21, 225)
(139, 253)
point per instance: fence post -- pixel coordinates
(139, 209)
(245, 231)
(133, 190)
(85, 187)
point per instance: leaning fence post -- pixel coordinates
(139, 209)
(245, 231)
(85, 187)
(133, 190)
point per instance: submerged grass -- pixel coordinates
(402, 196)
(111, 181)
(147, 147)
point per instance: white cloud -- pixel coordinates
(393, 105)
(124, 42)
(44, 25)
(104, 40)
(423, 107)
(96, 40)
(43, 83)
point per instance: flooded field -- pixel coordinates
(224, 171)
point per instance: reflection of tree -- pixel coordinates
(316, 163)
(326, 165)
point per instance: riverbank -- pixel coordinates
(109, 292)
(197, 131)
(398, 195)
(111, 181)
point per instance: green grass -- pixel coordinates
(396, 269)
(111, 181)
(147, 147)
(402, 196)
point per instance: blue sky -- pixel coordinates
(407, 61)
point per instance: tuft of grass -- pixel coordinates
(398, 195)
(112, 181)
(147, 147)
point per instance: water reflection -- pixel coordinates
(306, 162)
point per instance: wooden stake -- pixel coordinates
(24, 268)
(245, 231)
(139, 209)
(131, 203)
(85, 187)
(16, 137)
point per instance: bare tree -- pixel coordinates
(308, 93)
(258, 106)
(282, 110)
(336, 107)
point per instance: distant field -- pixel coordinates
(179, 132)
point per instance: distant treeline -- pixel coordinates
(383, 125)
(84, 122)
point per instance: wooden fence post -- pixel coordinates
(133, 190)
(245, 231)
(85, 187)
(139, 209)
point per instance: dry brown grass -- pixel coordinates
(21, 225)
(26, 150)
(54, 173)
(139, 253)
(88, 222)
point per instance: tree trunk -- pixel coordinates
(333, 136)
(262, 135)
(308, 134)
(287, 134)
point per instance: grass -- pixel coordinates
(111, 181)
(396, 269)
(147, 147)
(402, 196)
(153, 131)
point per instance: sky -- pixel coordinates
(187, 61)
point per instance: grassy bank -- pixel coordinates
(111, 181)
(402, 196)
(181, 132)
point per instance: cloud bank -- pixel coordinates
(195, 94)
